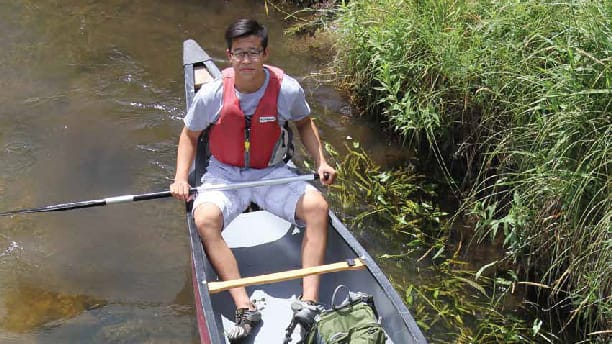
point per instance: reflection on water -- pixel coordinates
(92, 97)
(27, 308)
(13, 246)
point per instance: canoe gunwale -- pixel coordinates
(209, 331)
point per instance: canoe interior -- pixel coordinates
(264, 243)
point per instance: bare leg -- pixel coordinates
(209, 220)
(312, 208)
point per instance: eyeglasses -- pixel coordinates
(253, 55)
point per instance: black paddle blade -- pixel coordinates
(57, 207)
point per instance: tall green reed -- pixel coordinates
(512, 99)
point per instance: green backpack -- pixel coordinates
(353, 322)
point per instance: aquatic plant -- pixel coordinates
(450, 302)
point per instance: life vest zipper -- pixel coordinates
(247, 141)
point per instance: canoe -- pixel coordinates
(268, 248)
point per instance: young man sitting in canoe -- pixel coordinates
(247, 110)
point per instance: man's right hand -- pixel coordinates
(180, 190)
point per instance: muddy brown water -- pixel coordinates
(91, 101)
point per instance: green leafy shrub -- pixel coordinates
(512, 99)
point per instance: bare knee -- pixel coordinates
(312, 207)
(209, 220)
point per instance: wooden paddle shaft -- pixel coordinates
(355, 264)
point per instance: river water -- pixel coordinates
(91, 101)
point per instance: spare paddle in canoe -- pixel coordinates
(350, 264)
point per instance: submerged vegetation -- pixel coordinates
(512, 101)
(449, 301)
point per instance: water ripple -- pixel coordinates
(13, 246)
(17, 156)
(154, 106)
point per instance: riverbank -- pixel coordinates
(511, 102)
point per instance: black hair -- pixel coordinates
(246, 27)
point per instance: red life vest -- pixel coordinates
(240, 141)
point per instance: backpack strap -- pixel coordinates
(352, 298)
(333, 298)
(289, 331)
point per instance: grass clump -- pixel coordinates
(512, 99)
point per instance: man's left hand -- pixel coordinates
(327, 174)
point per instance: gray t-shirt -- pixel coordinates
(207, 104)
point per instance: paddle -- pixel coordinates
(156, 195)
